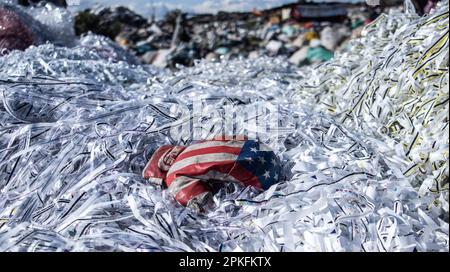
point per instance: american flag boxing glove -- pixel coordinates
(186, 170)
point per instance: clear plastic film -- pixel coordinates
(79, 124)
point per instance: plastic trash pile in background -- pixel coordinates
(35, 26)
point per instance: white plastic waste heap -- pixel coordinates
(393, 84)
(359, 138)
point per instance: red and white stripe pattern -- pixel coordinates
(209, 160)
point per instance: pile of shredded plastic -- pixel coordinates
(78, 125)
(393, 84)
